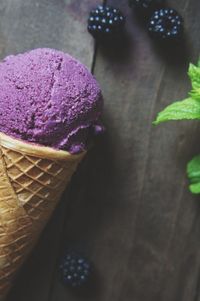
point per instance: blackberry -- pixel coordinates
(166, 24)
(75, 270)
(146, 5)
(105, 22)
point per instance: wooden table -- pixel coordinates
(128, 207)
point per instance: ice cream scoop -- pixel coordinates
(49, 98)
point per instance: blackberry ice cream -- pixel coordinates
(49, 98)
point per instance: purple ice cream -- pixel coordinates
(49, 98)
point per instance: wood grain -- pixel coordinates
(129, 207)
(157, 221)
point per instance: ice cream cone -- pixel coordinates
(32, 179)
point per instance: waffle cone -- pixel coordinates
(32, 180)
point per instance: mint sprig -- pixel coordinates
(186, 109)
(193, 172)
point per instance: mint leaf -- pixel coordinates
(193, 171)
(188, 108)
(185, 109)
(194, 74)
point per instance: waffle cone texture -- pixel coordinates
(32, 180)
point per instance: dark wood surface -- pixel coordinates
(128, 207)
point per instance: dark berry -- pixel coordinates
(75, 270)
(105, 21)
(166, 24)
(146, 5)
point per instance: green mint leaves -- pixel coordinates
(185, 109)
(188, 108)
(194, 74)
(193, 171)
